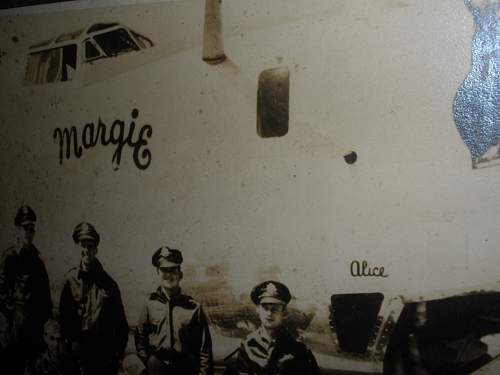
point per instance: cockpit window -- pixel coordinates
(116, 42)
(273, 102)
(44, 66)
(52, 65)
(142, 40)
(353, 318)
(91, 52)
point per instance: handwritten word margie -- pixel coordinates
(91, 135)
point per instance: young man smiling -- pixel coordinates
(172, 335)
(271, 350)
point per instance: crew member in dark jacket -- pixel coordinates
(24, 291)
(172, 335)
(91, 309)
(271, 350)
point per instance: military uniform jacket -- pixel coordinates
(92, 315)
(259, 355)
(25, 296)
(175, 330)
(45, 365)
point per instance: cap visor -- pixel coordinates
(86, 237)
(271, 300)
(163, 263)
(26, 222)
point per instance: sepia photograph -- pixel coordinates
(247, 187)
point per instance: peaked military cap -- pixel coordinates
(270, 292)
(25, 216)
(167, 257)
(86, 231)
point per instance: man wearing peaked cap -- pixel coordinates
(92, 314)
(172, 335)
(271, 350)
(24, 291)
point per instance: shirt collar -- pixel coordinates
(161, 295)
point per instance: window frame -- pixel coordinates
(96, 46)
(115, 29)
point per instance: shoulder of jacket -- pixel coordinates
(104, 279)
(110, 282)
(154, 294)
(71, 274)
(189, 299)
(35, 250)
(7, 252)
(189, 302)
(295, 345)
(251, 337)
(151, 301)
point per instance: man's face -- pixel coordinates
(271, 315)
(55, 342)
(26, 234)
(170, 277)
(88, 251)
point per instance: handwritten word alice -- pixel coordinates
(363, 269)
(117, 136)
